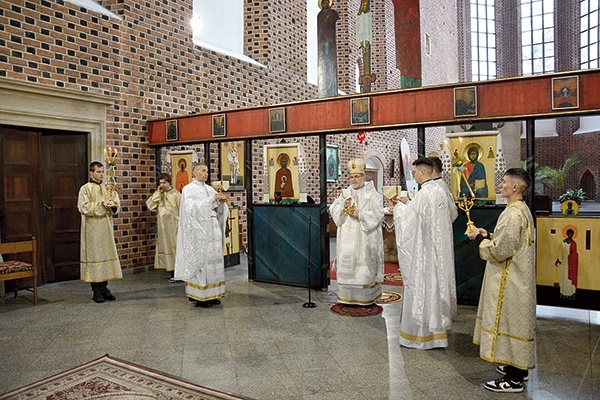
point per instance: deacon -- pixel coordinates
(505, 324)
(358, 213)
(99, 259)
(199, 255)
(426, 255)
(437, 179)
(165, 202)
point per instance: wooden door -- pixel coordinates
(41, 173)
(19, 218)
(63, 171)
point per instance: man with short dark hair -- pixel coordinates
(437, 179)
(99, 259)
(165, 202)
(426, 257)
(505, 324)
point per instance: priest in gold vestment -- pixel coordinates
(99, 259)
(165, 202)
(505, 325)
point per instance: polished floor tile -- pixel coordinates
(261, 343)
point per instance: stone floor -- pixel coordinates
(263, 344)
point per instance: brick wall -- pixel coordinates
(149, 63)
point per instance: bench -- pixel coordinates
(17, 269)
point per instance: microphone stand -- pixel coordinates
(309, 303)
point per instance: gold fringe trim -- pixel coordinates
(423, 339)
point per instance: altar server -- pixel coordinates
(165, 202)
(358, 213)
(99, 259)
(199, 255)
(505, 325)
(426, 256)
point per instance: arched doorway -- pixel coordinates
(374, 172)
(588, 184)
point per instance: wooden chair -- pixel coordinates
(15, 269)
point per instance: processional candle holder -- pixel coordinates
(110, 155)
(465, 204)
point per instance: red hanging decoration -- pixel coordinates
(361, 136)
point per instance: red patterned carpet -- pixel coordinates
(389, 297)
(356, 311)
(392, 275)
(110, 378)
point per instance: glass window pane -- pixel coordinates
(584, 55)
(473, 38)
(584, 24)
(584, 7)
(473, 10)
(482, 40)
(482, 53)
(527, 54)
(593, 4)
(584, 39)
(594, 18)
(593, 53)
(594, 64)
(594, 33)
(536, 22)
(538, 66)
(492, 55)
(549, 35)
(491, 26)
(549, 20)
(549, 50)
(475, 67)
(526, 24)
(549, 64)
(483, 67)
(527, 68)
(473, 24)
(490, 12)
(492, 41)
(526, 39)
(537, 37)
(493, 70)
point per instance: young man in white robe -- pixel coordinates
(165, 202)
(99, 262)
(199, 256)
(358, 213)
(505, 324)
(437, 179)
(426, 257)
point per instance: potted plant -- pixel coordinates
(577, 196)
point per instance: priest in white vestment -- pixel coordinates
(437, 179)
(505, 324)
(358, 213)
(99, 261)
(165, 202)
(426, 257)
(199, 256)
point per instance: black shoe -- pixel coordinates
(501, 369)
(98, 298)
(504, 385)
(215, 302)
(203, 304)
(190, 299)
(108, 295)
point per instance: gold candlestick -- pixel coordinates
(111, 169)
(465, 204)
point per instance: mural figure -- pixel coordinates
(234, 164)
(327, 50)
(474, 171)
(568, 264)
(283, 177)
(182, 177)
